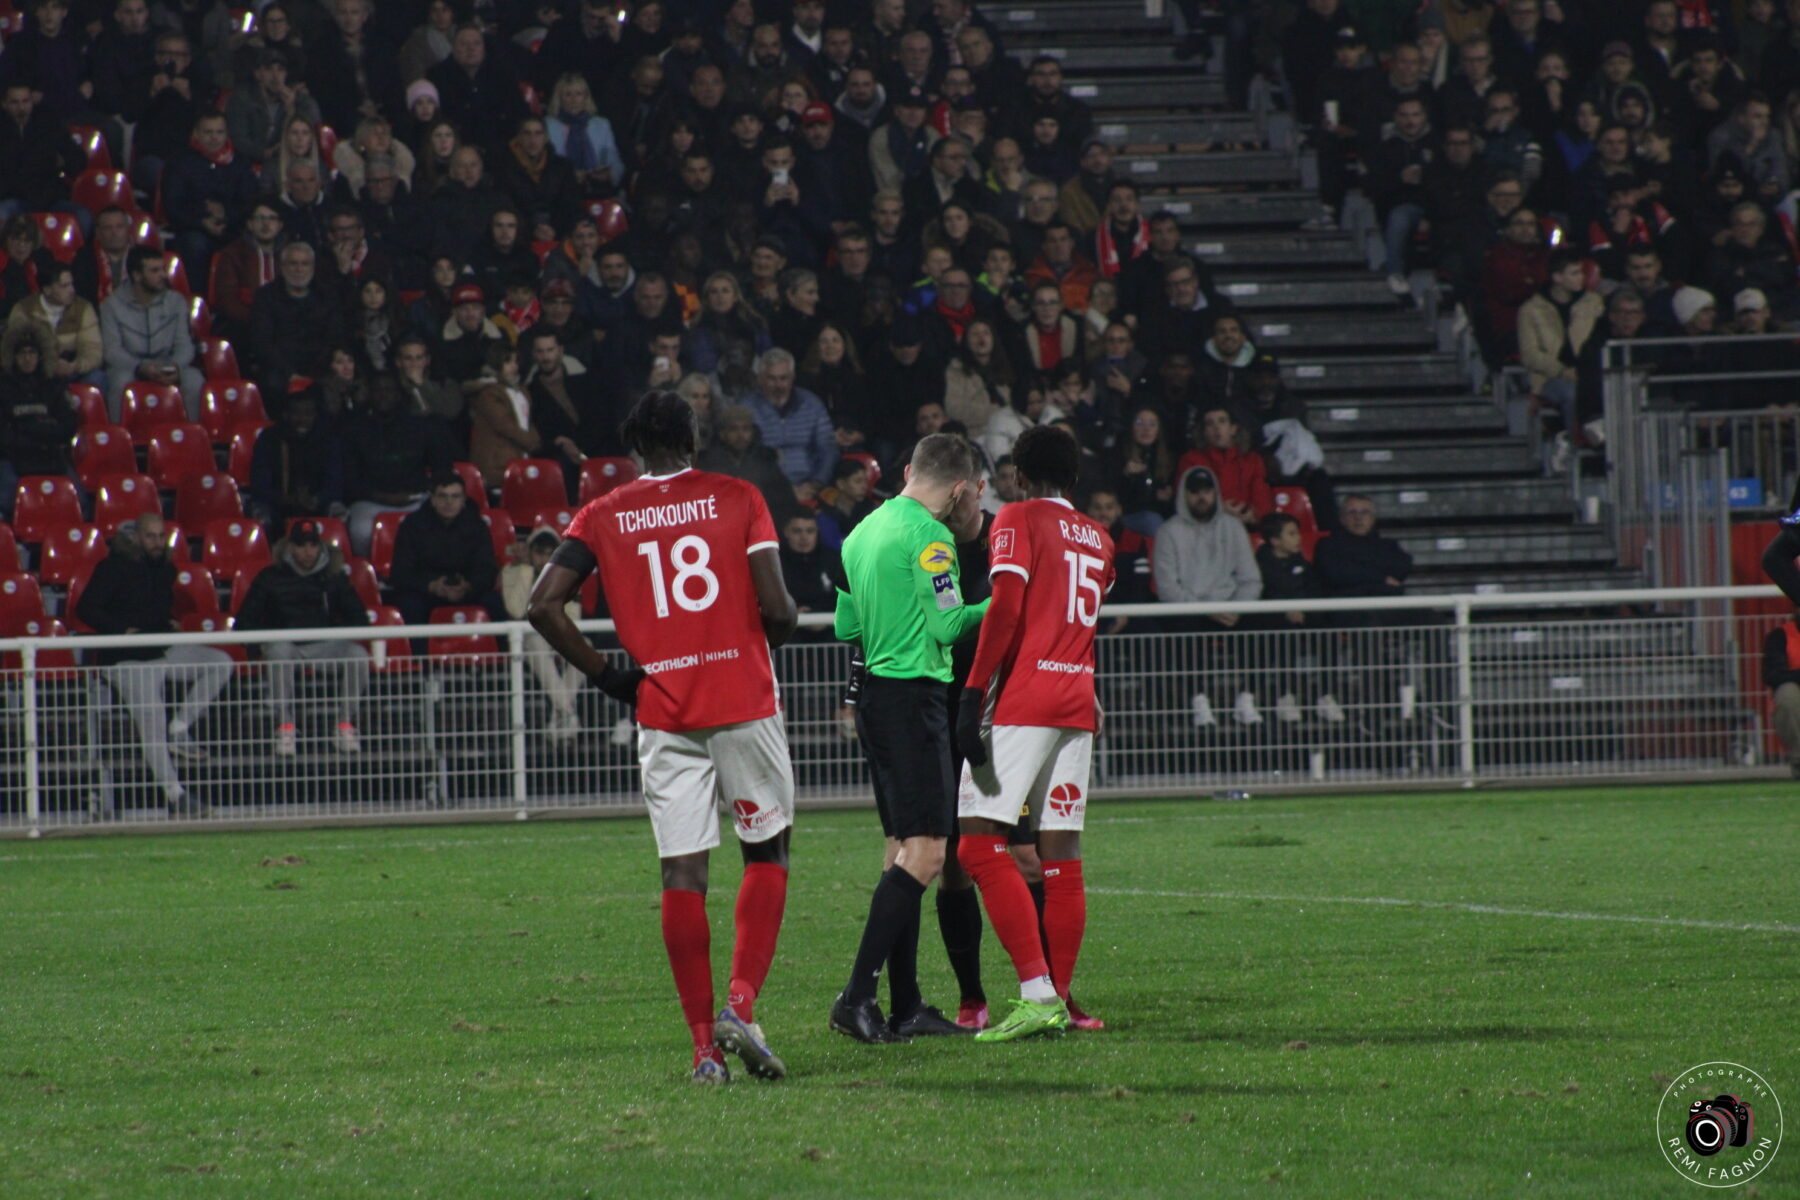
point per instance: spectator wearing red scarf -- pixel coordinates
(1123, 235)
(207, 192)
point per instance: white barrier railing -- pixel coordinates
(1365, 691)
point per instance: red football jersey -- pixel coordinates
(1067, 562)
(674, 554)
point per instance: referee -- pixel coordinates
(905, 606)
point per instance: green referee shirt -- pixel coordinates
(904, 603)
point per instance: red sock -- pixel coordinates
(1009, 907)
(689, 940)
(1065, 918)
(760, 901)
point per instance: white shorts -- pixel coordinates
(1030, 767)
(688, 775)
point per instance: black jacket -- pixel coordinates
(1349, 565)
(285, 597)
(292, 335)
(813, 579)
(1287, 578)
(36, 419)
(391, 452)
(425, 548)
(41, 159)
(129, 591)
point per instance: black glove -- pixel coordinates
(620, 685)
(968, 727)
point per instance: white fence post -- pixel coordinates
(1465, 694)
(33, 781)
(515, 686)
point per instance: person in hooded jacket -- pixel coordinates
(1202, 555)
(36, 416)
(307, 587)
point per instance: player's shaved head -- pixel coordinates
(944, 459)
(1049, 457)
(661, 423)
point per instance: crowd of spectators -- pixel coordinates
(1571, 172)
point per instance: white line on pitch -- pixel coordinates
(1492, 910)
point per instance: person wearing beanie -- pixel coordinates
(1553, 327)
(1695, 311)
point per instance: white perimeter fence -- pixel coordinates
(1437, 689)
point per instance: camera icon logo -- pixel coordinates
(1719, 1124)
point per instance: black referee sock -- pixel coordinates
(903, 961)
(959, 920)
(1037, 898)
(892, 908)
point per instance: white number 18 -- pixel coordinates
(689, 556)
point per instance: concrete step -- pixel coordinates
(1235, 210)
(1627, 642)
(1385, 374)
(1439, 459)
(1265, 292)
(1462, 500)
(1286, 332)
(1183, 129)
(1107, 90)
(1258, 168)
(1120, 51)
(1268, 251)
(1492, 580)
(1405, 416)
(1524, 545)
(1025, 24)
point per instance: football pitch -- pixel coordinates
(1458, 995)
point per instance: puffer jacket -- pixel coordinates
(286, 597)
(36, 418)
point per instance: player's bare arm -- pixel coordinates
(548, 614)
(780, 615)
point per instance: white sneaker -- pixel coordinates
(1245, 709)
(1459, 322)
(1409, 701)
(622, 731)
(1287, 709)
(1203, 713)
(1400, 285)
(1330, 711)
(1324, 222)
(183, 746)
(348, 741)
(1562, 455)
(287, 741)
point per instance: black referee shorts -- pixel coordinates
(905, 729)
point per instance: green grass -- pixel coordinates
(486, 1010)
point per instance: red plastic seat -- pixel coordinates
(328, 141)
(122, 498)
(558, 519)
(461, 649)
(381, 542)
(242, 580)
(90, 402)
(500, 529)
(96, 188)
(199, 312)
(218, 361)
(70, 553)
(214, 623)
(601, 475)
(533, 101)
(62, 236)
(100, 452)
(210, 497)
(390, 656)
(1298, 505)
(179, 282)
(93, 145)
(9, 550)
(609, 215)
(195, 591)
(233, 542)
(227, 402)
(242, 454)
(178, 454)
(44, 503)
(20, 597)
(471, 477)
(147, 407)
(144, 229)
(364, 581)
(48, 664)
(869, 463)
(532, 485)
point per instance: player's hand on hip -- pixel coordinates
(620, 685)
(968, 728)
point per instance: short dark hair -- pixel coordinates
(944, 458)
(1271, 526)
(1048, 456)
(538, 332)
(138, 255)
(444, 479)
(660, 421)
(1561, 259)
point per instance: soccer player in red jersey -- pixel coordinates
(1051, 567)
(692, 575)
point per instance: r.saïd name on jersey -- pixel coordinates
(662, 516)
(1081, 535)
